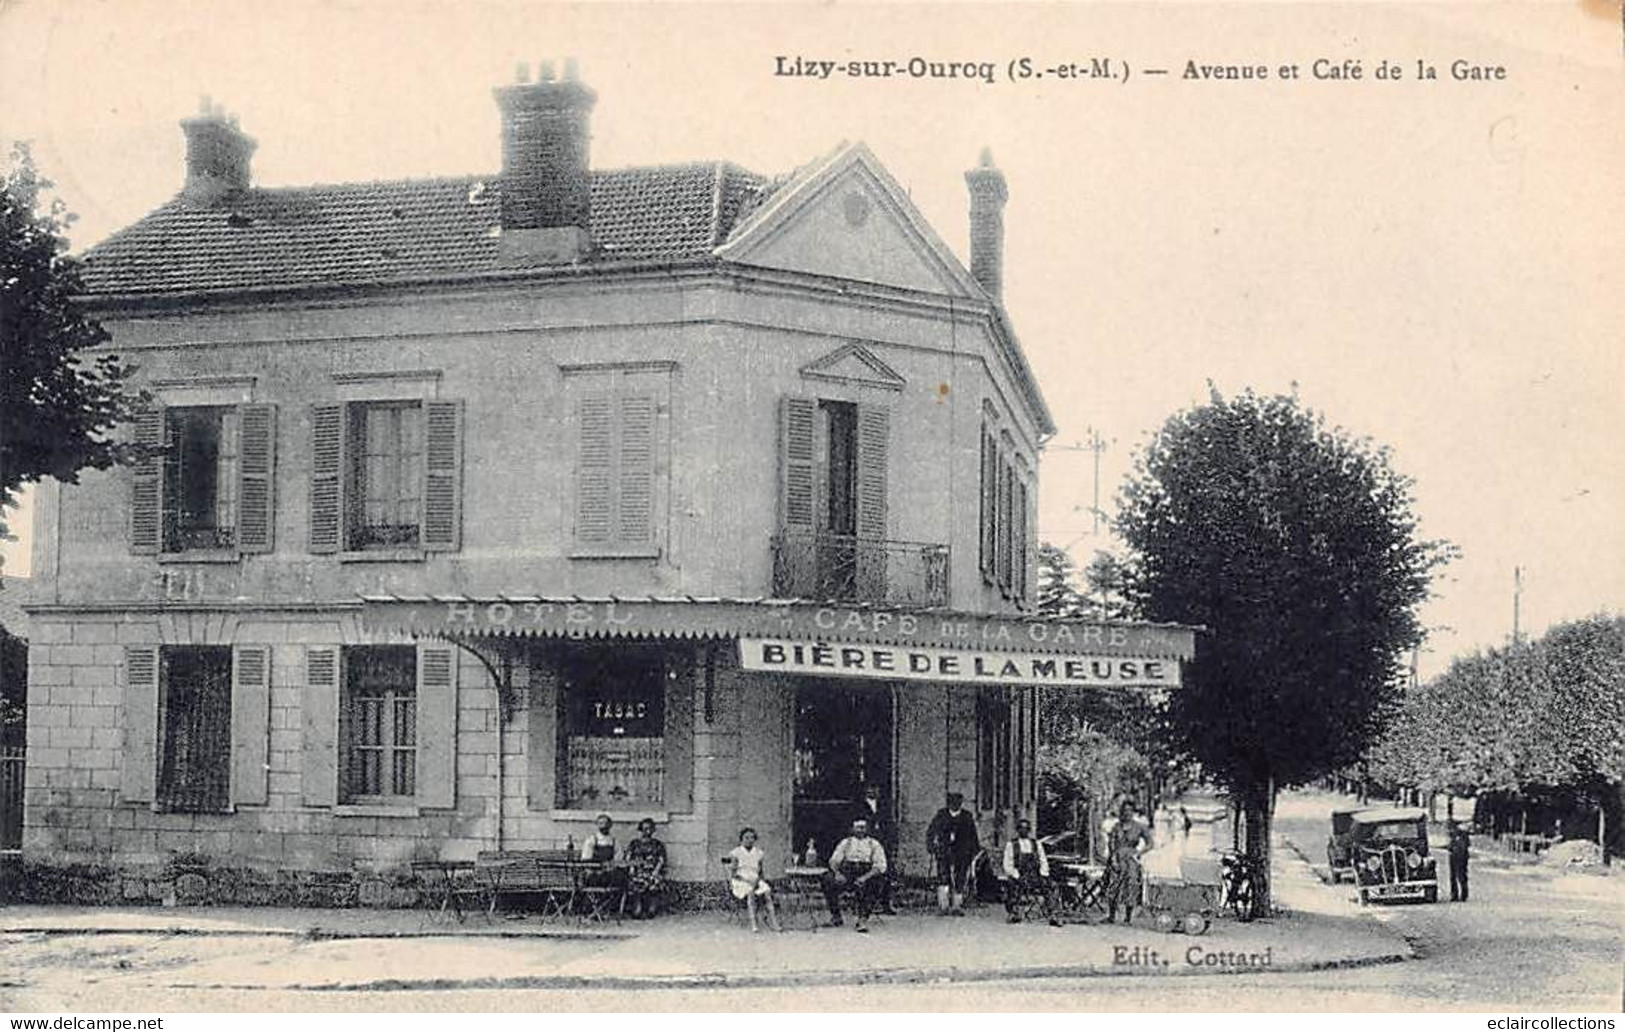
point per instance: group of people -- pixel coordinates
(642, 864)
(857, 869)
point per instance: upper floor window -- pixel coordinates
(620, 482)
(200, 478)
(386, 475)
(386, 506)
(204, 483)
(1006, 516)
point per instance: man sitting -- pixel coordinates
(857, 866)
(1026, 871)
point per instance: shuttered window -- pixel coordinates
(206, 480)
(989, 507)
(194, 767)
(378, 724)
(617, 438)
(386, 475)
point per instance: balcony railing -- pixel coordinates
(840, 568)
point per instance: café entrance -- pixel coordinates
(844, 740)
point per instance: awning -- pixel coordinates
(795, 620)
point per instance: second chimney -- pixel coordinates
(987, 196)
(546, 184)
(217, 155)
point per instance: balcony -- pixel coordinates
(840, 568)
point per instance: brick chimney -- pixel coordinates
(217, 155)
(987, 196)
(546, 200)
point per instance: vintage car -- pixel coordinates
(1390, 853)
(1338, 857)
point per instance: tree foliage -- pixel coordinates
(1549, 713)
(1295, 546)
(58, 405)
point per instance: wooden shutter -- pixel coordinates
(1018, 539)
(595, 469)
(678, 783)
(250, 723)
(443, 476)
(147, 484)
(635, 475)
(541, 753)
(798, 460)
(1001, 536)
(437, 726)
(321, 731)
(326, 477)
(140, 760)
(1029, 522)
(874, 432)
(256, 479)
(990, 505)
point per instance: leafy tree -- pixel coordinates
(1295, 546)
(1543, 719)
(58, 405)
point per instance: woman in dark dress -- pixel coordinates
(646, 870)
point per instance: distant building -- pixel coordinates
(486, 504)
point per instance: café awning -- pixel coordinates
(810, 637)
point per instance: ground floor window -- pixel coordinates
(194, 767)
(612, 715)
(378, 724)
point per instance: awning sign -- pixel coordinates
(898, 663)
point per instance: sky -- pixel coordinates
(1431, 264)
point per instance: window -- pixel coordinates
(992, 748)
(386, 456)
(1005, 528)
(194, 766)
(200, 478)
(379, 723)
(205, 481)
(615, 472)
(612, 719)
(840, 420)
(386, 477)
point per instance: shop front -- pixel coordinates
(708, 715)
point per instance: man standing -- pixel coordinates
(856, 866)
(1460, 846)
(873, 809)
(1026, 870)
(951, 839)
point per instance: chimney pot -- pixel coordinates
(546, 72)
(988, 192)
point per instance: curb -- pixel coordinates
(883, 976)
(316, 934)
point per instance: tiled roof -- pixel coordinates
(404, 230)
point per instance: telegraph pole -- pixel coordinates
(1517, 599)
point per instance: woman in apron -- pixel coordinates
(1126, 841)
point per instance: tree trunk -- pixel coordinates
(1259, 815)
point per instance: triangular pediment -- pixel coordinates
(848, 218)
(855, 365)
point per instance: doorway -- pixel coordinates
(843, 741)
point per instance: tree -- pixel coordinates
(1546, 718)
(1057, 591)
(1295, 546)
(58, 405)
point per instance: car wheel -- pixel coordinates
(1195, 924)
(1165, 921)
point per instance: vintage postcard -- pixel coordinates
(812, 507)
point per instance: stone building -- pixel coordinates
(478, 506)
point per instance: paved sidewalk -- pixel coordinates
(361, 949)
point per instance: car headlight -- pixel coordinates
(1414, 859)
(1373, 863)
